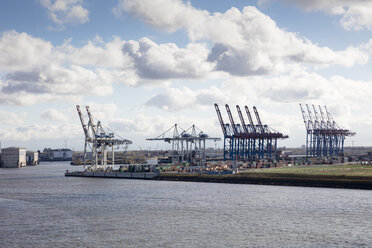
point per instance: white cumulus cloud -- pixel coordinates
(355, 14)
(103, 112)
(66, 11)
(34, 66)
(40, 132)
(245, 42)
(34, 70)
(10, 118)
(174, 99)
(53, 115)
(95, 53)
(152, 126)
(293, 88)
(20, 50)
(166, 61)
(167, 15)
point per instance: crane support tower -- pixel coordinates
(247, 142)
(187, 145)
(324, 137)
(101, 140)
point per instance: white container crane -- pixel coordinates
(99, 140)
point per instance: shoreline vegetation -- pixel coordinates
(340, 176)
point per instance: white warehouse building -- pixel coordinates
(13, 157)
(32, 158)
(56, 155)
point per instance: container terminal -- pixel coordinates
(247, 145)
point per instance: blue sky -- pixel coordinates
(143, 65)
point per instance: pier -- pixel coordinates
(117, 174)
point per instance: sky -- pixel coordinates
(144, 65)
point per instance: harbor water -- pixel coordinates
(40, 207)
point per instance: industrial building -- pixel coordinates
(32, 158)
(13, 157)
(56, 154)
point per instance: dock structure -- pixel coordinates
(112, 174)
(100, 140)
(247, 142)
(324, 137)
(187, 145)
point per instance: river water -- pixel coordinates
(39, 207)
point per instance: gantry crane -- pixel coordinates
(324, 137)
(187, 145)
(100, 139)
(247, 142)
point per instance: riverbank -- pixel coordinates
(344, 176)
(340, 176)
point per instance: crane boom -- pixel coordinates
(317, 118)
(220, 119)
(242, 119)
(330, 118)
(91, 121)
(231, 119)
(313, 126)
(324, 121)
(250, 118)
(85, 128)
(258, 119)
(305, 117)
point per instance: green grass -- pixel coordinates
(335, 170)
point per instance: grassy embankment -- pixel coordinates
(324, 170)
(340, 176)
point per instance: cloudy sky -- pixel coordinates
(143, 65)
